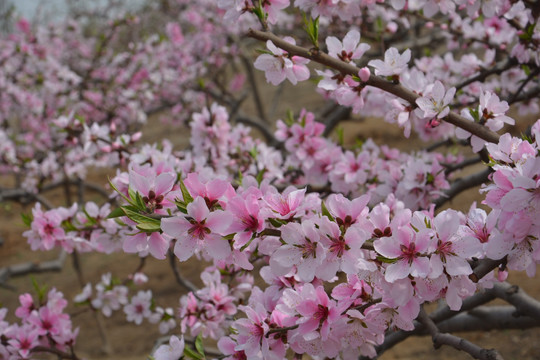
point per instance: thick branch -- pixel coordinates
(439, 315)
(524, 304)
(32, 267)
(487, 318)
(456, 342)
(375, 81)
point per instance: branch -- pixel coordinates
(483, 267)
(183, 282)
(32, 267)
(23, 196)
(268, 136)
(59, 353)
(497, 69)
(462, 185)
(514, 96)
(524, 304)
(439, 315)
(470, 161)
(458, 343)
(375, 81)
(335, 117)
(256, 96)
(526, 96)
(487, 318)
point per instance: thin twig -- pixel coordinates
(188, 285)
(463, 184)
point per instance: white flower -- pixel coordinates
(393, 64)
(436, 104)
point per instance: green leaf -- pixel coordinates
(149, 227)
(139, 218)
(259, 11)
(91, 220)
(325, 211)
(40, 290)
(68, 226)
(120, 193)
(475, 114)
(260, 176)
(118, 212)
(192, 354)
(199, 344)
(289, 119)
(386, 260)
(311, 26)
(341, 135)
(253, 153)
(136, 199)
(185, 193)
(27, 219)
(276, 222)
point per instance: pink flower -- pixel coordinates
(278, 66)
(344, 250)
(252, 331)
(451, 250)
(212, 191)
(347, 212)
(22, 340)
(142, 243)
(285, 206)
(317, 311)
(409, 249)
(173, 351)
(302, 249)
(247, 218)
(393, 64)
(199, 230)
(153, 187)
(227, 346)
(139, 307)
(27, 305)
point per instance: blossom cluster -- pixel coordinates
(43, 327)
(112, 295)
(347, 243)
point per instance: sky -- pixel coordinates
(54, 9)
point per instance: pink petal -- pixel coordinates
(198, 209)
(164, 183)
(185, 248)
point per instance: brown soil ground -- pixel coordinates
(129, 342)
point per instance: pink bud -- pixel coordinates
(502, 275)
(139, 278)
(444, 26)
(429, 25)
(392, 27)
(364, 74)
(136, 136)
